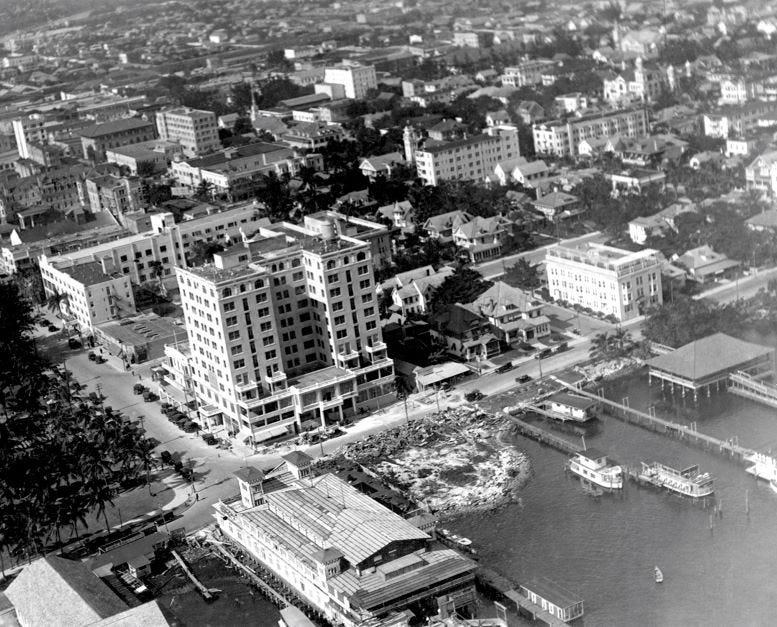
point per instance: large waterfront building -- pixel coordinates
(469, 158)
(284, 332)
(562, 137)
(608, 280)
(196, 130)
(345, 554)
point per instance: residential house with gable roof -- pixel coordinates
(414, 295)
(380, 166)
(482, 238)
(761, 173)
(401, 214)
(465, 332)
(441, 227)
(515, 315)
(704, 264)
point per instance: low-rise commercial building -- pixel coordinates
(97, 139)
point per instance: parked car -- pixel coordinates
(524, 378)
(474, 395)
(92, 356)
(138, 388)
(209, 438)
(505, 367)
(545, 352)
(149, 396)
(100, 359)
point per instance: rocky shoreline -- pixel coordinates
(453, 463)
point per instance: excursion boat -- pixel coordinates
(688, 482)
(764, 466)
(592, 465)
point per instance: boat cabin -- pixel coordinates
(553, 598)
(572, 407)
(592, 458)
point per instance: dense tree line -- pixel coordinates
(63, 455)
(687, 319)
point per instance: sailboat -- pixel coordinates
(659, 575)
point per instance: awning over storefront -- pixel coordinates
(271, 432)
(434, 375)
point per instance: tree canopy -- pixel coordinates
(62, 455)
(687, 319)
(463, 286)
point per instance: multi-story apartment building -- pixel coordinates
(28, 130)
(526, 74)
(167, 242)
(562, 137)
(91, 292)
(284, 332)
(115, 194)
(60, 189)
(737, 120)
(469, 158)
(348, 556)
(97, 139)
(609, 280)
(356, 80)
(235, 172)
(196, 130)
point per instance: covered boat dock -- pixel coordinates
(705, 363)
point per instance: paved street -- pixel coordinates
(496, 268)
(745, 287)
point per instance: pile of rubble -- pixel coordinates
(454, 460)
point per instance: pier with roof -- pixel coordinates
(705, 363)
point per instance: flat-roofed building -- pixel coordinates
(356, 79)
(470, 158)
(91, 292)
(563, 137)
(350, 557)
(97, 139)
(196, 130)
(526, 74)
(609, 280)
(284, 332)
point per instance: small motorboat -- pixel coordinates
(464, 541)
(659, 575)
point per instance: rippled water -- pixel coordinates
(605, 548)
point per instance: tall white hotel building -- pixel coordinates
(283, 331)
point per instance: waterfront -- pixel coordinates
(605, 548)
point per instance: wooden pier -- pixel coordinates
(267, 589)
(727, 448)
(542, 436)
(204, 591)
(749, 386)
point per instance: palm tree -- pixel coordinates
(402, 389)
(55, 301)
(600, 347)
(621, 342)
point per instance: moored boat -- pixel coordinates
(688, 482)
(592, 465)
(763, 466)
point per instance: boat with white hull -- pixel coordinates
(592, 465)
(763, 466)
(688, 482)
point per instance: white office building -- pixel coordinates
(355, 79)
(196, 130)
(608, 280)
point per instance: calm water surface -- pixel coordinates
(605, 548)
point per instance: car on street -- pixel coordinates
(505, 368)
(73, 343)
(545, 352)
(524, 378)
